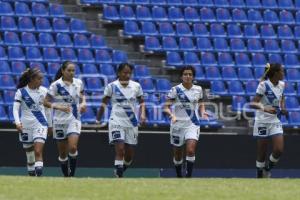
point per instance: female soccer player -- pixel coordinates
(34, 120)
(269, 102)
(123, 124)
(185, 127)
(67, 98)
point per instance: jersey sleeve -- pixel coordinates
(52, 90)
(172, 93)
(108, 90)
(18, 96)
(139, 91)
(261, 89)
(81, 86)
(201, 94)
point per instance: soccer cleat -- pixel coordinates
(38, 171)
(259, 173)
(266, 173)
(31, 173)
(118, 172)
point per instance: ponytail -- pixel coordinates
(59, 74)
(267, 69)
(27, 76)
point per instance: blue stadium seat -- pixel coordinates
(218, 88)
(191, 14)
(97, 42)
(17, 68)
(259, 60)
(254, 45)
(238, 103)
(235, 88)
(94, 84)
(212, 73)
(166, 29)
(285, 32)
(271, 46)
(289, 89)
(239, 16)
(200, 30)
(50, 55)
(46, 40)
(60, 25)
(250, 31)
(237, 3)
(267, 32)
(131, 28)
(152, 44)
(3, 115)
(297, 32)
(183, 29)
(142, 2)
(9, 96)
(271, 4)
(245, 74)
(89, 116)
(294, 118)
(42, 25)
(291, 61)
(56, 10)
(159, 14)
(186, 44)
(6, 9)
(143, 13)
(110, 13)
(275, 58)
(204, 44)
(221, 3)
(191, 58)
(11, 39)
(220, 44)
(149, 28)
(7, 83)
(286, 4)
(4, 69)
(254, 16)
(258, 72)
(33, 54)
(81, 41)
(297, 17)
(174, 59)
(141, 71)
(251, 87)
(292, 103)
(119, 57)
(199, 74)
(286, 17)
(102, 56)
(207, 15)
(85, 56)
(63, 40)
(225, 59)
(253, 4)
(175, 14)
(223, 15)
(25, 24)
(39, 10)
(68, 54)
(190, 2)
(28, 39)
(208, 59)
(237, 45)
(174, 2)
(288, 46)
(8, 23)
(159, 2)
(270, 17)
(15, 53)
(293, 74)
(22, 9)
(77, 26)
(107, 70)
(206, 3)
(89, 69)
(147, 85)
(3, 55)
(163, 85)
(234, 31)
(169, 44)
(38, 65)
(242, 60)
(217, 30)
(151, 98)
(53, 68)
(126, 13)
(229, 74)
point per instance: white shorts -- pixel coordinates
(178, 136)
(128, 135)
(267, 129)
(33, 134)
(62, 131)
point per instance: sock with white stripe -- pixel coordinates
(64, 166)
(189, 166)
(73, 162)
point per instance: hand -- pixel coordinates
(173, 119)
(19, 127)
(284, 112)
(143, 119)
(205, 115)
(82, 107)
(50, 131)
(66, 109)
(270, 110)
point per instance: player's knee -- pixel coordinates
(190, 152)
(73, 149)
(277, 152)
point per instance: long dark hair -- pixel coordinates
(122, 66)
(270, 70)
(27, 76)
(188, 67)
(64, 65)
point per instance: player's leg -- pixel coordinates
(73, 152)
(190, 156)
(128, 157)
(62, 146)
(30, 157)
(119, 158)
(131, 140)
(178, 160)
(38, 150)
(262, 147)
(278, 146)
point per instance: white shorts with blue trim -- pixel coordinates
(263, 130)
(31, 134)
(178, 135)
(128, 135)
(62, 131)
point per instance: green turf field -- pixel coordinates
(19, 188)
